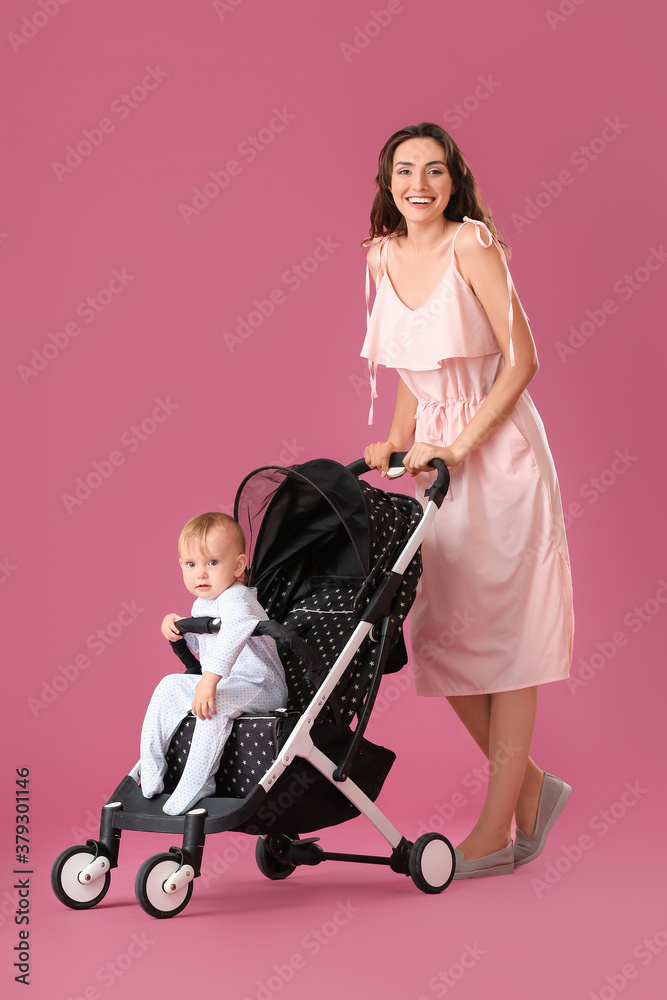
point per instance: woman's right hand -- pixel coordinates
(168, 630)
(376, 456)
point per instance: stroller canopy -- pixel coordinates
(317, 514)
(319, 538)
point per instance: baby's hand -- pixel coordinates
(203, 703)
(168, 630)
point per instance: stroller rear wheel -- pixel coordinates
(267, 856)
(65, 879)
(149, 887)
(432, 862)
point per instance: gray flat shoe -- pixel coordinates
(499, 863)
(553, 797)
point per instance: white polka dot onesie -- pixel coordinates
(251, 680)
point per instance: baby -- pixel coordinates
(240, 673)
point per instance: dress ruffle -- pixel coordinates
(451, 323)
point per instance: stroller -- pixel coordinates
(336, 563)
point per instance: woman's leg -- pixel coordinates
(502, 725)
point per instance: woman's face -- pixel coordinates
(420, 182)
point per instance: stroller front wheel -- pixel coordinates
(149, 887)
(65, 879)
(432, 863)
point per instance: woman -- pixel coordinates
(493, 614)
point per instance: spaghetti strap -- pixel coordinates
(381, 265)
(383, 254)
(479, 226)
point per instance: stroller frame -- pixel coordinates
(80, 876)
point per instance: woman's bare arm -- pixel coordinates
(401, 431)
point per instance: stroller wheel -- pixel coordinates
(149, 887)
(265, 855)
(432, 862)
(65, 879)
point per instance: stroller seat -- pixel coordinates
(253, 745)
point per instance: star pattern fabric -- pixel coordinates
(248, 753)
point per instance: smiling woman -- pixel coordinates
(447, 318)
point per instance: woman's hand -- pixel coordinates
(168, 630)
(419, 456)
(376, 456)
(203, 703)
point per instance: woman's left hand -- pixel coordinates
(419, 456)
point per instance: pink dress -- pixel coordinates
(493, 610)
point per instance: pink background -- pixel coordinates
(574, 922)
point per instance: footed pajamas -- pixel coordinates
(251, 679)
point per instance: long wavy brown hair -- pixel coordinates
(465, 198)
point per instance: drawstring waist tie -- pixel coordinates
(433, 414)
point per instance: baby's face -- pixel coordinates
(207, 574)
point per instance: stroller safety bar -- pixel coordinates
(201, 626)
(274, 629)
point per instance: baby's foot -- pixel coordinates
(151, 785)
(181, 800)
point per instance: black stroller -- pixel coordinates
(336, 563)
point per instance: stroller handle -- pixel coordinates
(436, 492)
